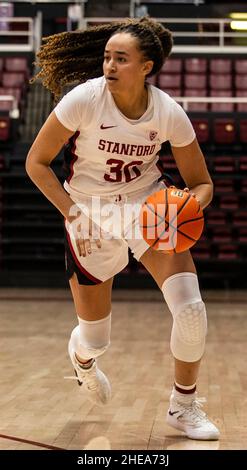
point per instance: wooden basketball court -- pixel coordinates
(41, 410)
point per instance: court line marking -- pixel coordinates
(27, 441)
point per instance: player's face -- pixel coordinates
(124, 65)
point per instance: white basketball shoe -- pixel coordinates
(93, 381)
(189, 418)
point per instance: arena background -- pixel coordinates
(31, 243)
(207, 73)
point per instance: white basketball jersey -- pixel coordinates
(109, 153)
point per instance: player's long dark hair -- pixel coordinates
(76, 56)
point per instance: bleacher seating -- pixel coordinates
(222, 107)
(197, 93)
(220, 66)
(241, 107)
(227, 252)
(222, 234)
(224, 164)
(195, 65)
(172, 66)
(229, 202)
(192, 80)
(243, 131)
(243, 163)
(4, 128)
(17, 64)
(201, 126)
(6, 11)
(167, 80)
(14, 76)
(211, 77)
(224, 131)
(223, 186)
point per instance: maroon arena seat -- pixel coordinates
(228, 107)
(13, 79)
(195, 65)
(223, 186)
(243, 163)
(224, 131)
(243, 131)
(169, 81)
(241, 82)
(216, 217)
(242, 107)
(220, 82)
(244, 186)
(229, 202)
(172, 66)
(242, 234)
(227, 252)
(201, 250)
(221, 234)
(201, 127)
(195, 81)
(220, 66)
(4, 128)
(17, 64)
(6, 105)
(224, 164)
(240, 66)
(196, 93)
(240, 218)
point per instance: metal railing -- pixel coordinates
(8, 33)
(185, 100)
(14, 112)
(195, 30)
(191, 35)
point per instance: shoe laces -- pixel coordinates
(86, 376)
(192, 412)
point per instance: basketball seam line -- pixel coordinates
(178, 212)
(189, 220)
(179, 231)
(187, 236)
(176, 229)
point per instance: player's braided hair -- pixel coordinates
(76, 56)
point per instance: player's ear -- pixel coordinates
(147, 66)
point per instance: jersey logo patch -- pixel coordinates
(152, 135)
(106, 127)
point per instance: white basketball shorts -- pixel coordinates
(118, 219)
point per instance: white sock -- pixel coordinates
(184, 393)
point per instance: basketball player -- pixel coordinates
(114, 126)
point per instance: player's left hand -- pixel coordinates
(186, 190)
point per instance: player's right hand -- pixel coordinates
(84, 232)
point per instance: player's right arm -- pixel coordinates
(44, 150)
(49, 141)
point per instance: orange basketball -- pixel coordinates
(171, 220)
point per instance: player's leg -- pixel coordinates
(162, 266)
(91, 337)
(176, 276)
(90, 280)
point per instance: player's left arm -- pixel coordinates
(193, 169)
